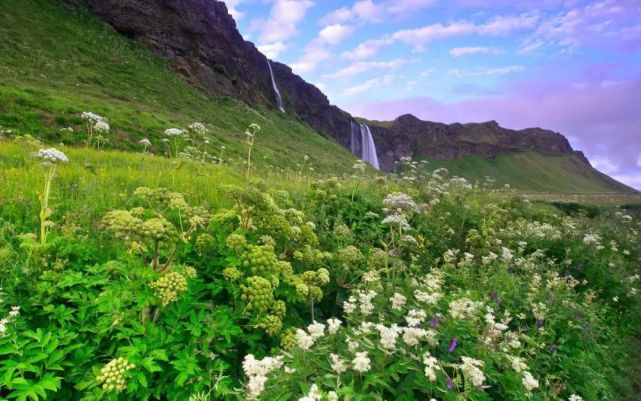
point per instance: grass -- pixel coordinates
(533, 172)
(56, 62)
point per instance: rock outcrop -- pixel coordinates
(410, 136)
(200, 41)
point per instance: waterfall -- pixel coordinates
(362, 144)
(279, 99)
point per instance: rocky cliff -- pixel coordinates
(201, 42)
(410, 136)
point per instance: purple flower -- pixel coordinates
(552, 347)
(453, 345)
(448, 383)
(434, 322)
(540, 323)
(579, 267)
(567, 274)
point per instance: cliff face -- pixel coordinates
(201, 42)
(410, 136)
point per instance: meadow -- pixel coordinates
(129, 276)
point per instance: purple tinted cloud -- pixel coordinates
(599, 115)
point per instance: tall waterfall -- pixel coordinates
(279, 99)
(362, 144)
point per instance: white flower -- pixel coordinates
(305, 341)
(338, 364)
(313, 395)
(198, 128)
(413, 335)
(145, 142)
(173, 132)
(332, 396)
(361, 362)
(398, 301)
(431, 366)
(333, 325)
(388, 335)
(257, 371)
(101, 127)
(316, 330)
(89, 116)
(430, 299)
(575, 397)
(52, 155)
(517, 364)
(529, 382)
(415, 317)
(470, 368)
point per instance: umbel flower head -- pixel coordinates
(169, 287)
(52, 155)
(112, 375)
(91, 117)
(145, 142)
(173, 132)
(102, 127)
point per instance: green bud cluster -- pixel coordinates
(261, 260)
(288, 341)
(190, 272)
(342, 231)
(113, 375)
(204, 243)
(279, 308)
(377, 259)
(257, 292)
(122, 223)
(158, 228)
(271, 324)
(350, 255)
(307, 235)
(294, 216)
(169, 287)
(308, 255)
(236, 242)
(268, 240)
(232, 274)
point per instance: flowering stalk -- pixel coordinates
(51, 157)
(251, 136)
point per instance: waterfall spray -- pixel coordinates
(362, 144)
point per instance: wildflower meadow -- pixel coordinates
(191, 276)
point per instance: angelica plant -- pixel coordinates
(93, 123)
(250, 137)
(174, 133)
(51, 157)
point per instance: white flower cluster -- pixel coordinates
(145, 142)
(464, 308)
(15, 311)
(198, 128)
(361, 362)
(102, 127)
(91, 117)
(257, 371)
(400, 203)
(52, 155)
(431, 366)
(173, 132)
(364, 299)
(471, 369)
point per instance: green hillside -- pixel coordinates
(534, 172)
(56, 62)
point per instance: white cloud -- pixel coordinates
(233, 10)
(361, 67)
(428, 72)
(604, 165)
(372, 12)
(282, 22)
(367, 49)
(501, 25)
(478, 72)
(371, 84)
(272, 50)
(464, 51)
(334, 34)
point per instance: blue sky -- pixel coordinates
(571, 66)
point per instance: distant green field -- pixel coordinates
(533, 172)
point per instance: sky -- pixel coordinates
(567, 65)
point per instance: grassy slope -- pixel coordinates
(534, 172)
(56, 62)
